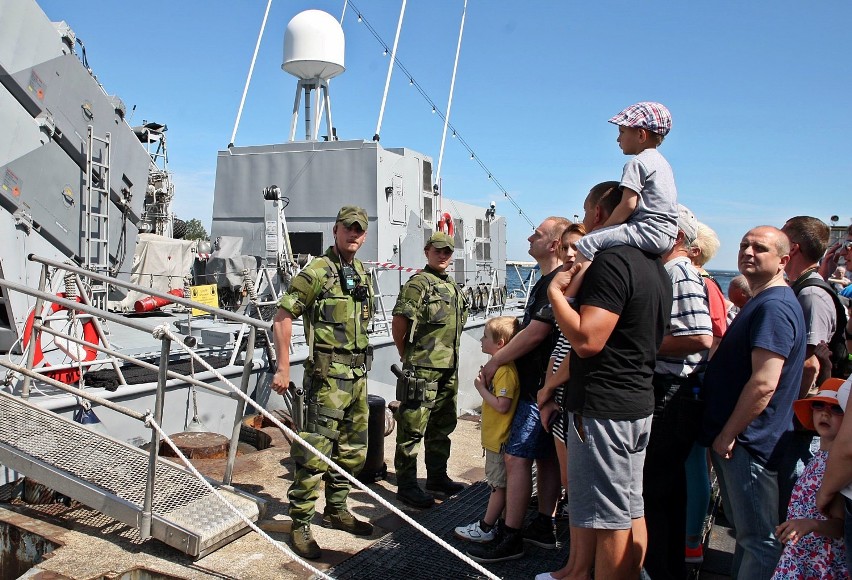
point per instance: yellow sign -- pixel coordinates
(207, 295)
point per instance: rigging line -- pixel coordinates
(251, 70)
(390, 71)
(450, 98)
(437, 111)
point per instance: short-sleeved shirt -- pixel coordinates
(819, 312)
(717, 305)
(690, 316)
(615, 383)
(533, 365)
(431, 301)
(332, 316)
(651, 176)
(496, 426)
(773, 321)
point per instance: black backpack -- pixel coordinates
(837, 345)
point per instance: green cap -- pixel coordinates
(441, 240)
(352, 214)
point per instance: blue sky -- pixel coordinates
(759, 92)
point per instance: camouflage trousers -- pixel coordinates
(431, 424)
(337, 427)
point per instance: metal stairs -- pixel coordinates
(109, 475)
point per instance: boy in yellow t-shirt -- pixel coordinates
(499, 402)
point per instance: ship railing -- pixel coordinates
(153, 419)
(95, 315)
(166, 338)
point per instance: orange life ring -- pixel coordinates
(446, 225)
(90, 335)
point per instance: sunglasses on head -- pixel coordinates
(833, 409)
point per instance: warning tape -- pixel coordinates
(392, 266)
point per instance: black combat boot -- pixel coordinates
(415, 497)
(443, 484)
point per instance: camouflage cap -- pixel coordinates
(441, 240)
(350, 214)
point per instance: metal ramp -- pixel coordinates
(109, 476)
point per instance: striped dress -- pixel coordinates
(560, 352)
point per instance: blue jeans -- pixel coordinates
(750, 496)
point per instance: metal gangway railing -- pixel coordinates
(29, 442)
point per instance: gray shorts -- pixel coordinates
(605, 471)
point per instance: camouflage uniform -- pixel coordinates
(437, 311)
(335, 382)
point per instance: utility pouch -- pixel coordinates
(322, 363)
(368, 358)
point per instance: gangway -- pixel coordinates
(109, 476)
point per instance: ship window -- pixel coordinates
(459, 271)
(483, 251)
(428, 208)
(458, 236)
(306, 243)
(486, 229)
(479, 229)
(427, 176)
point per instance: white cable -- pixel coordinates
(251, 70)
(390, 68)
(450, 99)
(167, 332)
(149, 421)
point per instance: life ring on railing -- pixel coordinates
(446, 224)
(76, 352)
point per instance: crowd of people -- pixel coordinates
(629, 376)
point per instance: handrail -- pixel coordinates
(79, 306)
(73, 390)
(133, 360)
(226, 314)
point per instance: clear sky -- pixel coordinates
(759, 92)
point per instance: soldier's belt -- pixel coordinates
(350, 359)
(411, 389)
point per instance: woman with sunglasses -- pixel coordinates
(813, 542)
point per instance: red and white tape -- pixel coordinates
(392, 266)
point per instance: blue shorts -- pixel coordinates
(528, 439)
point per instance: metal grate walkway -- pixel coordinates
(407, 553)
(109, 476)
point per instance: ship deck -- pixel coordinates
(91, 545)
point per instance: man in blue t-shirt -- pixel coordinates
(750, 385)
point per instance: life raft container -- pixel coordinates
(446, 224)
(77, 352)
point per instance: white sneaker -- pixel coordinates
(474, 533)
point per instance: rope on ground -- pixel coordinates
(167, 331)
(149, 421)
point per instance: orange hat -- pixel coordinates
(804, 410)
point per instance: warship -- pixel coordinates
(117, 332)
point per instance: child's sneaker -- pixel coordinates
(694, 555)
(474, 532)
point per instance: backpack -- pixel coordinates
(837, 345)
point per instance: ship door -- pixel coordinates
(397, 201)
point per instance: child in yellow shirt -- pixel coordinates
(498, 407)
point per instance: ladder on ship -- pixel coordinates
(96, 226)
(109, 475)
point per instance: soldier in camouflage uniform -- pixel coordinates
(334, 295)
(428, 320)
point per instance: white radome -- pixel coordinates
(313, 46)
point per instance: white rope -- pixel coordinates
(251, 70)
(450, 99)
(390, 69)
(165, 329)
(149, 421)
